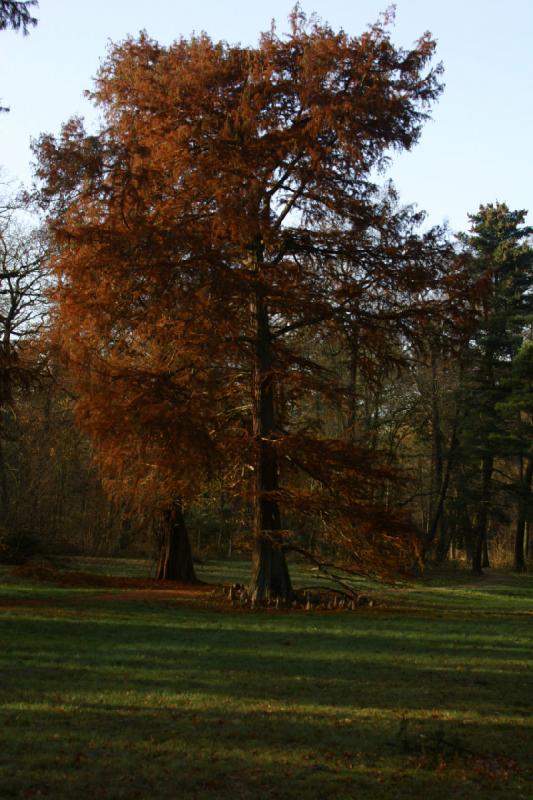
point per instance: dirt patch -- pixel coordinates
(203, 592)
(10, 603)
(149, 590)
(147, 586)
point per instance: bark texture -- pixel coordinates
(175, 560)
(270, 575)
(524, 501)
(479, 550)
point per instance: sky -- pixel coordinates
(475, 150)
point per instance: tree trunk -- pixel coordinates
(4, 493)
(480, 528)
(444, 542)
(175, 560)
(524, 500)
(270, 575)
(353, 344)
(437, 439)
(453, 545)
(486, 559)
(438, 512)
(519, 564)
(477, 555)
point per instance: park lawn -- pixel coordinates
(109, 695)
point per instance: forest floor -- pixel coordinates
(117, 690)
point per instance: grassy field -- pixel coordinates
(114, 695)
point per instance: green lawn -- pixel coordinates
(105, 695)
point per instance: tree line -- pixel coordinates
(252, 334)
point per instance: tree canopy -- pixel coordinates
(501, 260)
(219, 226)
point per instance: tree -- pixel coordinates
(225, 209)
(22, 313)
(148, 436)
(517, 413)
(502, 263)
(434, 425)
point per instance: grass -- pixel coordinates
(109, 695)
(219, 571)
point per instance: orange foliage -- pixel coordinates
(223, 208)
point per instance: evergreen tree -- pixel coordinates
(517, 414)
(501, 260)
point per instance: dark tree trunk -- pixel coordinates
(480, 528)
(433, 515)
(175, 560)
(453, 546)
(4, 493)
(436, 434)
(519, 549)
(352, 393)
(477, 555)
(444, 542)
(524, 500)
(486, 559)
(270, 575)
(438, 512)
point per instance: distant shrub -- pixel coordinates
(18, 547)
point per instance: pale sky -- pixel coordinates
(476, 149)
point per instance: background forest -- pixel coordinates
(360, 383)
(453, 418)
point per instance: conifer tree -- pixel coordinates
(517, 443)
(225, 208)
(502, 264)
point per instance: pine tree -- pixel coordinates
(502, 263)
(517, 442)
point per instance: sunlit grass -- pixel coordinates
(108, 696)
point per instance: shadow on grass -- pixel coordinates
(108, 750)
(130, 702)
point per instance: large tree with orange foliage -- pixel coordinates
(223, 217)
